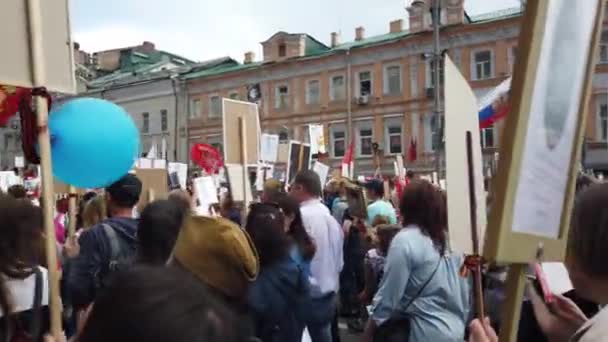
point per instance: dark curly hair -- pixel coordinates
(423, 205)
(21, 242)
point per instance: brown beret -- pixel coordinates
(218, 252)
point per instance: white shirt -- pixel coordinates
(21, 292)
(325, 231)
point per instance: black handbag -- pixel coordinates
(398, 329)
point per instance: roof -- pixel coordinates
(315, 49)
(162, 69)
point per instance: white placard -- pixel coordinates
(181, 169)
(460, 102)
(19, 162)
(317, 139)
(322, 170)
(345, 171)
(557, 276)
(206, 193)
(145, 163)
(57, 51)
(8, 179)
(269, 147)
(553, 113)
(159, 164)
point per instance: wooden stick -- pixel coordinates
(478, 289)
(37, 64)
(73, 196)
(516, 284)
(151, 195)
(243, 136)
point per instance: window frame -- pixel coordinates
(333, 129)
(332, 88)
(387, 90)
(388, 124)
(364, 125)
(308, 96)
(211, 114)
(598, 123)
(483, 137)
(164, 120)
(429, 74)
(371, 82)
(278, 103)
(474, 75)
(196, 108)
(145, 122)
(604, 45)
(282, 49)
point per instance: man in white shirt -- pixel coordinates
(327, 262)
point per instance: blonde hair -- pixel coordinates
(94, 211)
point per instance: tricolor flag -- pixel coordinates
(495, 105)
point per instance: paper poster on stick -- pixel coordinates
(234, 174)
(269, 148)
(154, 182)
(233, 111)
(299, 159)
(459, 103)
(322, 170)
(57, 50)
(317, 139)
(179, 171)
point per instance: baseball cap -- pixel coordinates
(125, 191)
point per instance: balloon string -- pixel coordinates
(29, 127)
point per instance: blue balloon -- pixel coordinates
(93, 142)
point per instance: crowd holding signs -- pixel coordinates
(264, 238)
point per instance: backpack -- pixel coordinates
(121, 256)
(27, 326)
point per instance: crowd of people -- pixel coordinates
(299, 261)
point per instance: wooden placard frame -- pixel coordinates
(502, 243)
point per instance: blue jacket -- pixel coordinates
(274, 299)
(95, 253)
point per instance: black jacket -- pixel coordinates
(95, 253)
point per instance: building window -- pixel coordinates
(145, 122)
(313, 92)
(283, 136)
(282, 50)
(337, 89)
(430, 74)
(195, 109)
(215, 107)
(234, 96)
(393, 136)
(482, 65)
(602, 117)
(511, 56)
(487, 137)
(365, 83)
(365, 137)
(392, 80)
(164, 121)
(338, 141)
(431, 134)
(281, 100)
(604, 47)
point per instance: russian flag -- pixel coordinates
(495, 105)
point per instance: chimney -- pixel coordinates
(416, 11)
(249, 57)
(396, 26)
(148, 46)
(359, 33)
(335, 39)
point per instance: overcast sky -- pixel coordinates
(206, 29)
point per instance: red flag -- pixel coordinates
(207, 158)
(413, 151)
(10, 97)
(348, 156)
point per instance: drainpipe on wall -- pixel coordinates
(174, 81)
(349, 99)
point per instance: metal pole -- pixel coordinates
(437, 60)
